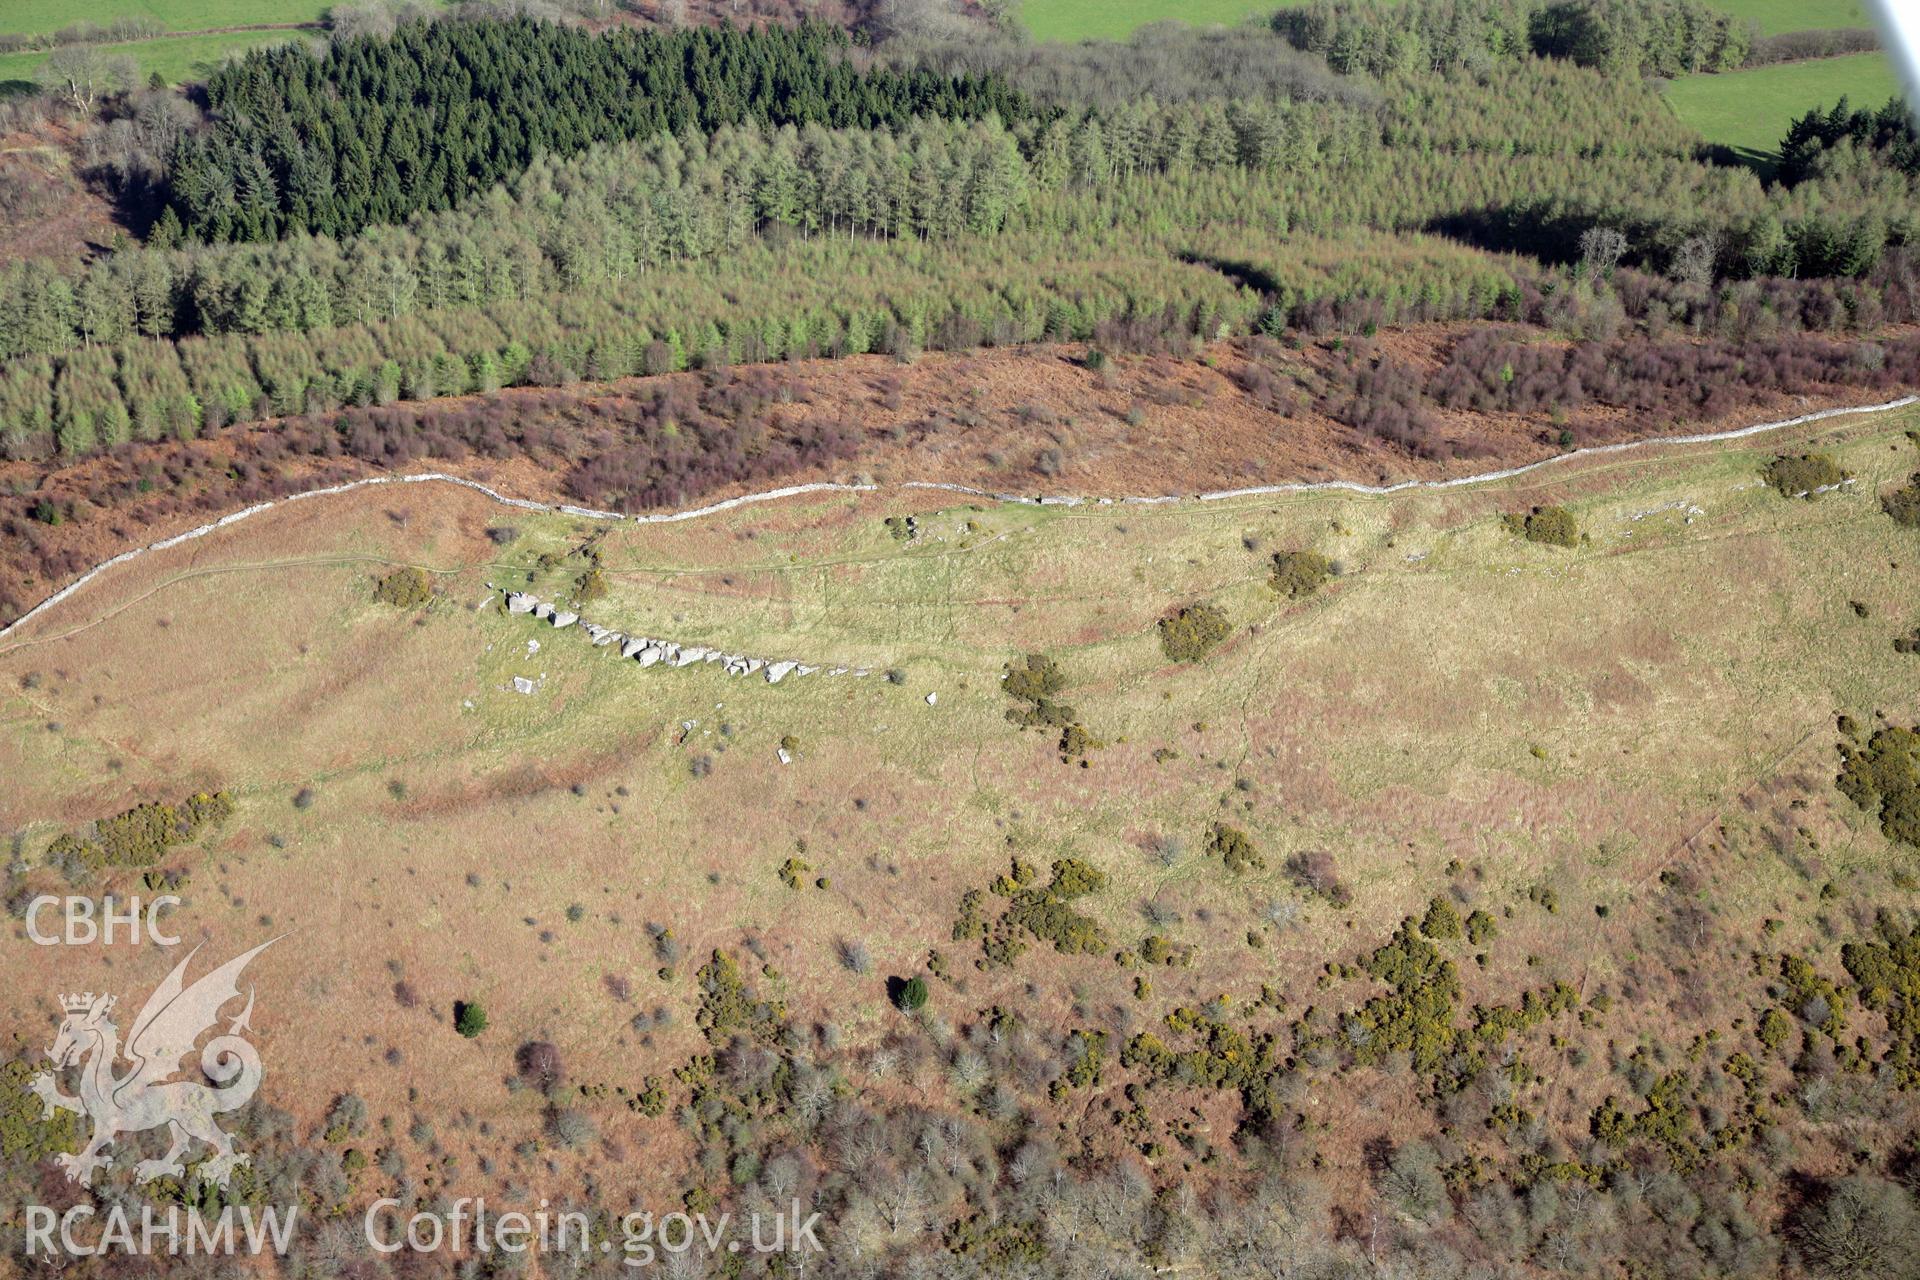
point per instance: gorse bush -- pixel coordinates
(1297, 574)
(1234, 848)
(142, 835)
(1195, 631)
(1041, 912)
(404, 588)
(1554, 526)
(1903, 504)
(1882, 776)
(1803, 476)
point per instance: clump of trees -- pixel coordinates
(1633, 37)
(377, 129)
(1194, 631)
(1887, 133)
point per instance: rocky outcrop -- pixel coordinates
(650, 652)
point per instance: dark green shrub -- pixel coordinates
(1235, 848)
(1297, 574)
(1803, 476)
(141, 836)
(469, 1019)
(1442, 921)
(590, 586)
(1554, 526)
(1194, 632)
(912, 996)
(404, 588)
(1885, 775)
(1903, 504)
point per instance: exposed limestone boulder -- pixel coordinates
(561, 618)
(633, 646)
(650, 654)
(687, 657)
(777, 671)
(520, 602)
(543, 610)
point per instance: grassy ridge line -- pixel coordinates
(786, 491)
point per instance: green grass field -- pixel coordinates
(1749, 111)
(31, 16)
(177, 59)
(1776, 16)
(1117, 19)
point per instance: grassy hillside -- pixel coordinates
(1778, 16)
(176, 58)
(33, 16)
(1621, 752)
(1749, 111)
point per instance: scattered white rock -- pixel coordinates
(932, 698)
(648, 652)
(784, 757)
(522, 685)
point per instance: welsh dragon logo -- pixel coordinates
(145, 1096)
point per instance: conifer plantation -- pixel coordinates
(476, 203)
